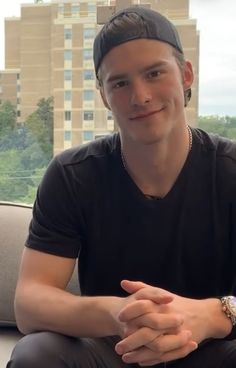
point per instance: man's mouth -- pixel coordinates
(145, 115)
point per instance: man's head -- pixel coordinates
(137, 23)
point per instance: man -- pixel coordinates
(149, 212)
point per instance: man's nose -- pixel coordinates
(140, 94)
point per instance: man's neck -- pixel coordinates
(154, 168)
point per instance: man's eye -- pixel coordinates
(120, 84)
(154, 74)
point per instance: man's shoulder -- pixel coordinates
(224, 148)
(98, 148)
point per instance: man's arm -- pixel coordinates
(41, 302)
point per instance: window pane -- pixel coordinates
(67, 95)
(67, 54)
(89, 33)
(68, 34)
(67, 115)
(67, 135)
(68, 75)
(92, 8)
(88, 135)
(88, 115)
(88, 74)
(88, 95)
(88, 54)
(109, 115)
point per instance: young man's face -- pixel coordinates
(143, 86)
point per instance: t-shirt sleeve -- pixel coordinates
(57, 223)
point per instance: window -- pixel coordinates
(88, 115)
(67, 54)
(89, 33)
(67, 115)
(88, 135)
(92, 8)
(67, 75)
(67, 95)
(75, 10)
(109, 115)
(67, 135)
(88, 74)
(88, 95)
(67, 34)
(87, 54)
(18, 113)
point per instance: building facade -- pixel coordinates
(49, 52)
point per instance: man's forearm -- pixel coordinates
(39, 307)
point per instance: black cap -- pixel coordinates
(155, 26)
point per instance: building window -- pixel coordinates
(61, 9)
(18, 76)
(75, 10)
(109, 115)
(88, 135)
(18, 101)
(88, 95)
(67, 95)
(89, 33)
(92, 8)
(88, 115)
(18, 113)
(67, 115)
(18, 88)
(67, 135)
(67, 34)
(67, 54)
(88, 54)
(67, 75)
(88, 74)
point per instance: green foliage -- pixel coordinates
(225, 126)
(40, 127)
(24, 151)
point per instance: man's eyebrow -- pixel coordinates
(116, 77)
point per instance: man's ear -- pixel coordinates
(104, 98)
(188, 75)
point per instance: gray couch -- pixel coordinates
(14, 222)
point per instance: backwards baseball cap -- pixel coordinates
(153, 26)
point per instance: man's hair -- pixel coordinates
(137, 23)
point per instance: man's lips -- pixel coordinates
(145, 115)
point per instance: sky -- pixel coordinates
(216, 21)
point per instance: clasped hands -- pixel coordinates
(158, 326)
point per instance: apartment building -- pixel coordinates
(48, 52)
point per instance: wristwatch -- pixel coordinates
(229, 307)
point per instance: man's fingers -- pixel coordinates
(154, 340)
(163, 348)
(156, 321)
(139, 338)
(144, 291)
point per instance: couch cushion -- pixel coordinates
(14, 222)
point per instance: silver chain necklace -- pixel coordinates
(190, 143)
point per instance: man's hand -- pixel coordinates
(156, 331)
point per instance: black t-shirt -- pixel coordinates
(88, 206)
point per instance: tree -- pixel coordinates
(224, 126)
(40, 127)
(7, 125)
(25, 151)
